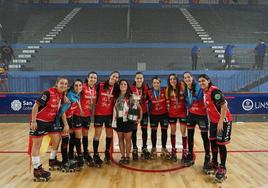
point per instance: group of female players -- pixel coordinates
(66, 114)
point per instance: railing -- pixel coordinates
(38, 81)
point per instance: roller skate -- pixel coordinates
(80, 162)
(145, 154)
(54, 164)
(165, 154)
(220, 174)
(210, 168)
(122, 160)
(153, 154)
(88, 159)
(207, 165)
(127, 160)
(97, 160)
(40, 175)
(135, 155)
(107, 157)
(183, 156)
(189, 160)
(69, 166)
(174, 155)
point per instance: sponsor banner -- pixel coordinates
(239, 103)
(115, 1)
(247, 103)
(174, 1)
(145, 1)
(17, 103)
(205, 1)
(89, 1)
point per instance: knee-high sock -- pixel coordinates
(71, 146)
(164, 137)
(144, 137)
(78, 146)
(64, 148)
(205, 142)
(108, 143)
(85, 144)
(223, 154)
(95, 146)
(153, 137)
(214, 149)
(134, 139)
(190, 140)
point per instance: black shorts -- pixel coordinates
(124, 127)
(223, 137)
(145, 119)
(106, 120)
(193, 119)
(81, 122)
(69, 121)
(44, 128)
(156, 119)
(173, 120)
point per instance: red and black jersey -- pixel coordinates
(87, 99)
(198, 108)
(158, 105)
(176, 101)
(143, 93)
(69, 113)
(49, 103)
(105, 102)
(213, 99)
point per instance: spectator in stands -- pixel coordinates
(3, 76)
(7, 53)
(195, 55)
(259, 52)
(228, 54)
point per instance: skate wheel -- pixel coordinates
(71, 170)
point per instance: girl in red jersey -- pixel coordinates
(82, 119)
(73, 94)
(140, 89)
(104, 115)
(196, 114)
(220, 123)
(158, 114)
(127, 112)
(44, 113)
(176, 111)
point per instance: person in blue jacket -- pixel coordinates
(228, 54)
(195, 54)
(259, 52)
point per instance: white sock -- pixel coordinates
(36, 161)
(53, 154)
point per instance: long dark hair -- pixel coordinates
(170, 87)
(142, 86)
(106, 83)
(205, 76)
(92, 72)
(118, 92)
(193, 83)
(72, 86)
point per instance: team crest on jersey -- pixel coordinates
(44, 97)
(217, 96)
